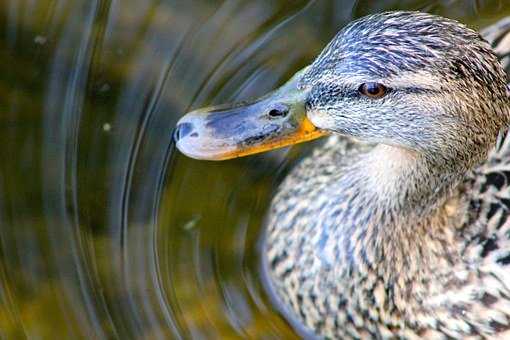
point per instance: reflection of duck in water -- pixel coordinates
(405, 232)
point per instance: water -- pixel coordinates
(107, 232)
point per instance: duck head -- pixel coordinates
(405, 79)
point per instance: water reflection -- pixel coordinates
(106, 232)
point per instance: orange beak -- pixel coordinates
(229, 131)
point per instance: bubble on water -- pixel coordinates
(40, 39)
(191, 224)
(105, 87)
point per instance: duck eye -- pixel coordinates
(373, 90)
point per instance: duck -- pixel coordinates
(398, 225)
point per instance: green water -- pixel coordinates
(105, 231)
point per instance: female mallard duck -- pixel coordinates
(404, 232)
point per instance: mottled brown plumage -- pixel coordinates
(405, 234)
(398, 226)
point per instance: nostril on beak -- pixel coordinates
(182, 130)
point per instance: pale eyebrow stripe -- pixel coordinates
(411, 80)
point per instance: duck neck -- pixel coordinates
(410, 212)
(406, 183)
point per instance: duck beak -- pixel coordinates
(229, 131)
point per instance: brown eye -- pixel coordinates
(373, 90)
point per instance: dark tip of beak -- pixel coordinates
(182, 130)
